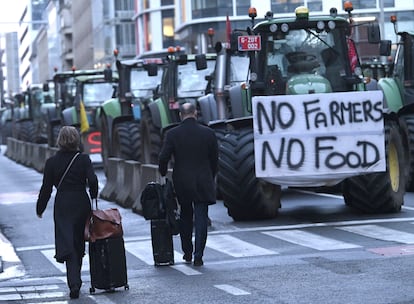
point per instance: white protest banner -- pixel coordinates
(332, 135)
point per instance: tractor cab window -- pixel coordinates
(96, 93)
(190, 81)
(143, 85)
(304, 51)
(239, 69)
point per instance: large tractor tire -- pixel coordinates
(381, 192)
(126, 141)
(245, 196)
(26, 131)
(409, 130)
(6, 131)
(53, 133)
(151, 138)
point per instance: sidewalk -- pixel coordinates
(10, 264)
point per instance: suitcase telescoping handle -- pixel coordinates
(96, 203)
(163, 180)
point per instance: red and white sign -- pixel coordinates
(250, 43)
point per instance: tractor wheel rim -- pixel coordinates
(394, 168)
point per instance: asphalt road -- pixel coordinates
(316, 251)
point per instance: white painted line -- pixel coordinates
(341, 197)
(54, 302)
(408, 208)
(187, 270)
(100, 298)
(232, 290)
(311, 225)
(142, 250)
(38, 247)
(310, 240)
(235, 247)
(381, 233)
(49, 254)
(36, 288)
(46, 295)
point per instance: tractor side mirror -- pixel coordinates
(183, 59)
(152, 69)
(385, 47)
(201, 62)
(374, 35)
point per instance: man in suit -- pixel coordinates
(195, 151)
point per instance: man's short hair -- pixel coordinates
(187, 109)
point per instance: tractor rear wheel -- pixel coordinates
(126, 140)
(151, 138)
(381, 192)
(245, 196)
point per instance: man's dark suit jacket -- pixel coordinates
(195, 151)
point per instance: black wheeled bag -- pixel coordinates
(162, 243)
(108, 264)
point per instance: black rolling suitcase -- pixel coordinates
(162, 242)
(108, 264)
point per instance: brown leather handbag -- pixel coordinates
(102, 224)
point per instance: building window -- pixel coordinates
(167, 28)
(211, 8)
(242, 7)
(314, 5)
(285, 6)
(389, 3)
(167, 2)
(363, 4)
(289, 6)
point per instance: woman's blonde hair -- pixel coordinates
(68, 139)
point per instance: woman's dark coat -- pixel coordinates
(72, 203)
(195, 151)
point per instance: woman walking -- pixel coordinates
(71, 172)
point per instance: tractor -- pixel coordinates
(65, 93)
(184, 79)
(91, 91)
(30, 111)
(119, 119)
(304, 118)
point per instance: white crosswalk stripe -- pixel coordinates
(235, 247)
(41, 292)
(229, 245)
(381, 233)
(310, 240)
(50, 253)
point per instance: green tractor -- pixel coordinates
(119, 119)
(91, 91)
(6, 120)
(30, 111)
(398, 90)
(65, 93)
(305, 119)
(185, 78)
